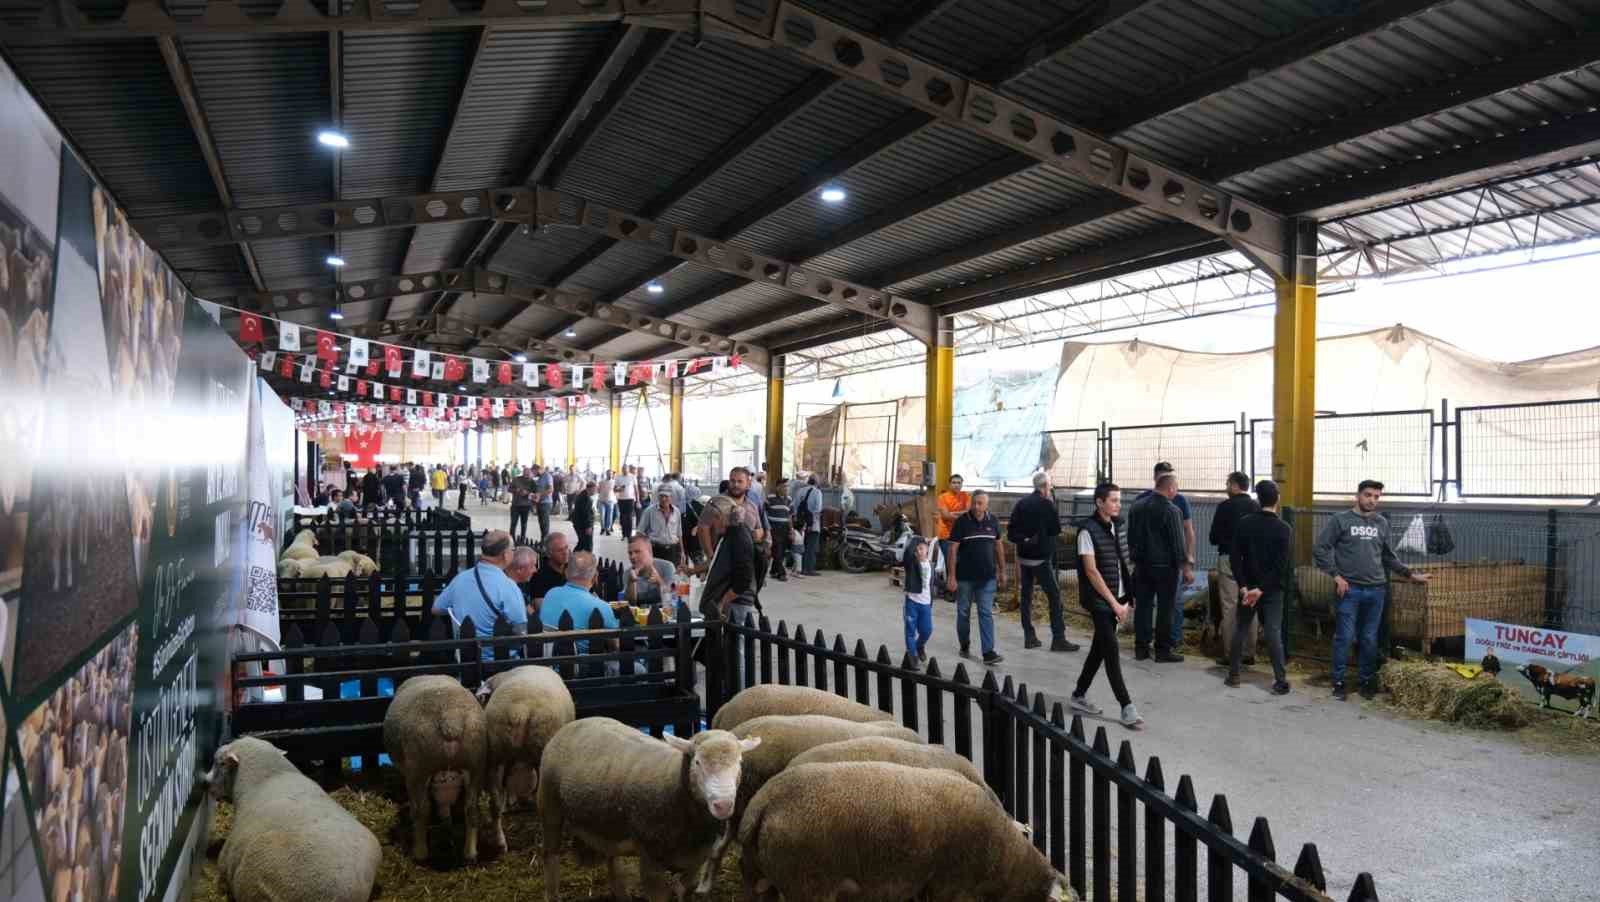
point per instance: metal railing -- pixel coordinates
(1395, 446)
(1562, 462)
(1047, 773)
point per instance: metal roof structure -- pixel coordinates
(533, 170)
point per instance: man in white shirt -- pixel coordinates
(625, 485)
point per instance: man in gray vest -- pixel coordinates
(1103, 587)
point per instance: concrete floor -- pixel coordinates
(1434, 812)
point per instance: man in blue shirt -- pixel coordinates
(484, 592)
(575, 598)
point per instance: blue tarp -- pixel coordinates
(998, 423)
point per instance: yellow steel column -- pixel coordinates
(675, 427)
(940, 406)
(515, 435)
(616, 432)
(774, 450)
(1294, 382)
(572, 439)
(538, 439)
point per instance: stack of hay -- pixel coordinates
(1435, 692)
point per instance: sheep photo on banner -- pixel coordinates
(125, 415)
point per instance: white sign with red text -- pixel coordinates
(1514, 644)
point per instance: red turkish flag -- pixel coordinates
(394, 392)
(286, 366)
(511, 407)
(735, 360)
(372, 367)
(427, 399)
(325, 347)
(391, 359)
(552, 375)
(249, 328)
(361, 388)
(599, 378)
(693, 367)
(503, 373)
(366, 445)
(539, 405)
(454, 371)
(324, 379)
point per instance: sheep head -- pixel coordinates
(714, 767)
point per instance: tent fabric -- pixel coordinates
(997, 426)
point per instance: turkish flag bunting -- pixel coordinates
(394, 392)
(427, 399)
(693, 367)
(391, 360)
(511, 407)
(249, 328)
(324, 379)
(453, 369)
(361, 388)
(539, 405)
(735, 360)
(372, 367)
(503, 373)
(599, 378)
(553, 377)
(325, 346)
(286, 367)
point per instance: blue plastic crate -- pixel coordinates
(352, 689)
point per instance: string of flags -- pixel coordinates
(318, 356)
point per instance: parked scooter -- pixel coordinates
(866, 550)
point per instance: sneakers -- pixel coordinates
(1280, 688)
(1141, 654)
(923, 657)
(1082, 705)
(1031, 642)
(1167, 657)
(1232, 682)
(1131, 718)
(966, 652)
(1338, 692)
(913, 664)
(993, 657)
(1369, 690)
(1063, 645)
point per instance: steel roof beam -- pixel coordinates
(183, 82)
(1060, 41)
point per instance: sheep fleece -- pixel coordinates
(893, 751)
(814, 827)
(760, 701)
(290, 841)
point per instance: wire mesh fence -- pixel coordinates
(1397, 444)
(1072, 458)
(1549, 450)
(1202, 453)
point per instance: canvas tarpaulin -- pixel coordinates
(997, 426)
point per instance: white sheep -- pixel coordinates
(329, 566)
(771, 698)
(303, 547)
(290, 567)
(895, 751)
(874, 830)
(782, 738)
(289, 841)
(527, 706)
(434, 731)
(360, 564)
(624, 793)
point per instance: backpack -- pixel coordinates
(802, 513)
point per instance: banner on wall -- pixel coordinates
(122, 550)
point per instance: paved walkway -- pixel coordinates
(1435, 812)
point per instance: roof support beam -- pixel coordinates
(1059, 41)
(183, 81)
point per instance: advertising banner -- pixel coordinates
(123, 422)
(1522, 648)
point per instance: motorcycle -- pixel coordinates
(863, 549)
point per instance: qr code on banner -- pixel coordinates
(263, 596)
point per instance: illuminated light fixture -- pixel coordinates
(336, 313)
(833, 194)
(521, 358)
(654, 288)
(335, 261)
(571, 334)
(330, 138)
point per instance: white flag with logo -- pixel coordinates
(308, 369)
(619, 373)
(717, 363)
(288, 336)
(350, 366)
(498, 408)
(530, 375)
(344, 383)
(411, 396)
(438, 369)
(419, 364)
(577, 374)
(480, 370)
(358, 352)
(258, 604)
(324, 408)
(269, 361)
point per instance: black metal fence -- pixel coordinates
(1046, 771)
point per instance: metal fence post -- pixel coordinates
(1552, 549)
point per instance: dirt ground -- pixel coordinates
(517, 874)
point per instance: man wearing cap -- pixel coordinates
(484, 593)
(662, 524)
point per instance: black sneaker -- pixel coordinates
(1141, 654)
(913, 665)
(1280, 688)
(1063, 645)
(992, 657)
(1232, 682)
(1369, 690)
(1224, 662)
(1168, 657)
(1338, 692)
(923, 657)
(1031, 642)
(966, 652)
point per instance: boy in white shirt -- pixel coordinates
(919, 602)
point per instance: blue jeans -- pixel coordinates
(608, 515)
(983, 593)
(1358, 614)
(919, 626)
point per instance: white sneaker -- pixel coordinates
(1131, 718)
(1079, 703)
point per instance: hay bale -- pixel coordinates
(1435, 692)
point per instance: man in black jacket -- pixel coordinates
(1033, 529)
(583, 517)
(372, 488)
(1234, 508)
(1160, 554)
(1261, 549)
(394, 488)
(730, 591)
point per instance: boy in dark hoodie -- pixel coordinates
(919, 602)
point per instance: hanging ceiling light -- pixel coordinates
(337, 312)
(331, 138)
(833, 194)
(570, 333)
(521, 358)
(654, 288)
(335, 261)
